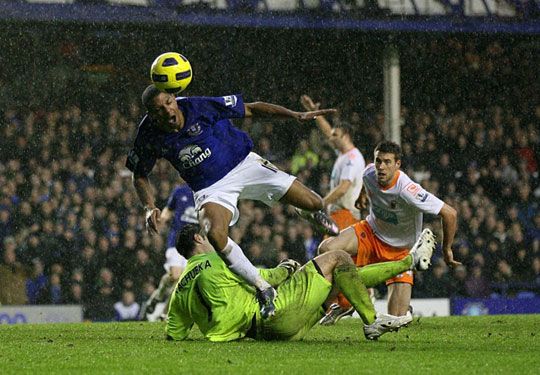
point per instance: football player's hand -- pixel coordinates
(152, 220)
(308, 103)
(312, 115)
(361, 202)
(449, 258)
(290, 265)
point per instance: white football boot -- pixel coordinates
(383, 324)
(422, 250)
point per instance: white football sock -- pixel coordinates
(241, 265)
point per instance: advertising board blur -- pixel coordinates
(495, 306)
(40, 314)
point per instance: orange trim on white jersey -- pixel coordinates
(392, 183)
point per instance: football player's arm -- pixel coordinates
(449, 224)
(362, 200)
(166, 215)
(276, 276)
(179, 325)
(144, 192)
(321, 121)
(417, 196)
(261, 109)
(337, 192)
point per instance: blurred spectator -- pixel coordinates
(476, 284)
(13, 276)
(260, 258)
(126, 309)
(36, 285)
(303, 158)
(5, 223)
(310, 243)
(458, 286)
(436, 284)
(294, 245)
(100, 306)
(75, 295)
(55, 292)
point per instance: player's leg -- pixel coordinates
(346, 241)
(399, 298)
(419, 258)
(400, 286)
(310, 207)
(299, 305)
(338, 268)
(219, 219)
(348, 281)
(371, 276)
(262, 181)
(377, 273)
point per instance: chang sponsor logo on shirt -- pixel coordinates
(192, 155)
(385, 215)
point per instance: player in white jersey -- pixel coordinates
(345, 186)
(346, 178)
(394, 223)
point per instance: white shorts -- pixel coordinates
(174, 259)
(254, 178)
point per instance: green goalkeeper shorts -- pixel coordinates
(299, 306)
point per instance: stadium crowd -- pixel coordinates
(72, 231)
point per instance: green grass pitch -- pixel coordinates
(454, 345)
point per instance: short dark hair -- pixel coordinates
(346, 128)
(390, 148)
(148, 96)
(185, 240)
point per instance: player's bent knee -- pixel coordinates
(342, 257)
(325, 247)
(335, 258)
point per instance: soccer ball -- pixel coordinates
(171, 72)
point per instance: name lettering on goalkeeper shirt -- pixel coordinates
(192, 274)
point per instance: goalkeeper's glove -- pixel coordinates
(290, 265)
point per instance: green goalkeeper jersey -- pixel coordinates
(221, 303)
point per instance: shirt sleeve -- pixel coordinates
(417, 196)
(141, 159)
(171, 202)
(225, 107)
(353, 168)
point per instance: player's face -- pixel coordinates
(166, 113)
(386, 167)
(336, 138)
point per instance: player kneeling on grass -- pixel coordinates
(225, 308)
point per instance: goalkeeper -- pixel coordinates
(225, 308)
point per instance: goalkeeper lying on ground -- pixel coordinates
(225, 308)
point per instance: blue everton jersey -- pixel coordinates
(204, 150)
(182, 204)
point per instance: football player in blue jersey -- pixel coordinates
(196, 136)
(179, 211)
